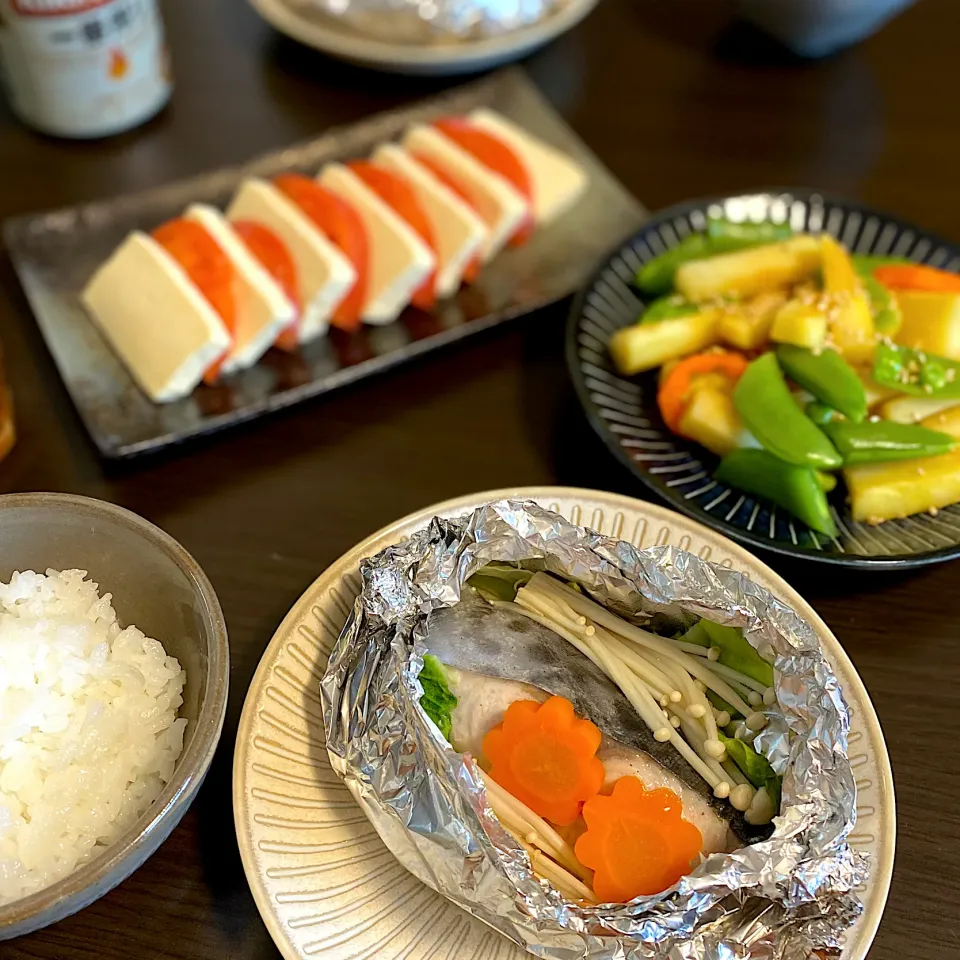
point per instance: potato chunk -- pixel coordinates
(887, 491)
(647, 345)
(749, 272)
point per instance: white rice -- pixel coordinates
(88, 726)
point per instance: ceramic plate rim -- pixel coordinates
(421, 59)
(746, 538)
(881, 868)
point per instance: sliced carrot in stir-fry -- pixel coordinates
(677, 386)
(918, 277)
(342, 224)
(397, 194)
(208, 267)
(275, 258)
(493, 153)
(545, 757)
(637, 842)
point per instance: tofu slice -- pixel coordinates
(399, 260)
(557, 181)
(324, 274)
(263, 309)
(499, 203)
(459, 234)
(157, 321)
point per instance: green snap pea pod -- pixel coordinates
(866, 263)
(827, 376)
(667, 308)
(883, 303)
(827, 481)
(719, 229)
(916, 372)
(819, 412)
(883, 440)
(796, 489)
(770, 413)
(722, 236)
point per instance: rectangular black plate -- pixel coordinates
(55, 253)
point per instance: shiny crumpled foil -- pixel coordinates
(431, 21)
(775, 900)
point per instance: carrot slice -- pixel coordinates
(472, 269)
(275, 258)
(676, 388)
(636, 842)
(208, 267)
(918, 277)
(492, 152)
(397, 194)
(343, 226)
(545, 757)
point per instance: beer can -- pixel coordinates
(83, 68)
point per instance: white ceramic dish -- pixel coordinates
(324, 883)
(433, 60)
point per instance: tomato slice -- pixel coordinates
(397, 194)
(492, 152)
(344, 228)
(275, 258)
(472, 270)
(208, 267)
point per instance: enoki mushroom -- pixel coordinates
(665, 680)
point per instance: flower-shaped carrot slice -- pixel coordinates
(544, 756)
(637, 842)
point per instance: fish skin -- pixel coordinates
(492, 640)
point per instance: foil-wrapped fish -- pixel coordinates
(778, 898)
(495, 644)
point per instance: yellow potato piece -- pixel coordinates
(800, 324)
(749, 272)
(914, 409)
(852, 330)
(887, 491)
(647, 345)
(712, 420)
(839, 274)
(747, 325)
(850, 317)
(931, 321)
(946, 421)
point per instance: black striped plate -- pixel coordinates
(625, 414)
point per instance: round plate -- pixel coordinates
(624, 411)
(449, 59)
(324, 883)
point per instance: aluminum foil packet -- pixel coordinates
(780, 899)
(431, 21)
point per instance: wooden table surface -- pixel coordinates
(678, 105)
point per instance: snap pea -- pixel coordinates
(883, 440)
(916, 372)
(866, 263)
(722, 236)
(819, 412)
(797, 489)
(770, 413)
(827, 376)
(720, 229)
(883, 304)
(667, 308)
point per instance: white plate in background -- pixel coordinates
(446, 59)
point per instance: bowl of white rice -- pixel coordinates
(113, 688)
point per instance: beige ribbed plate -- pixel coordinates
(325, 884)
